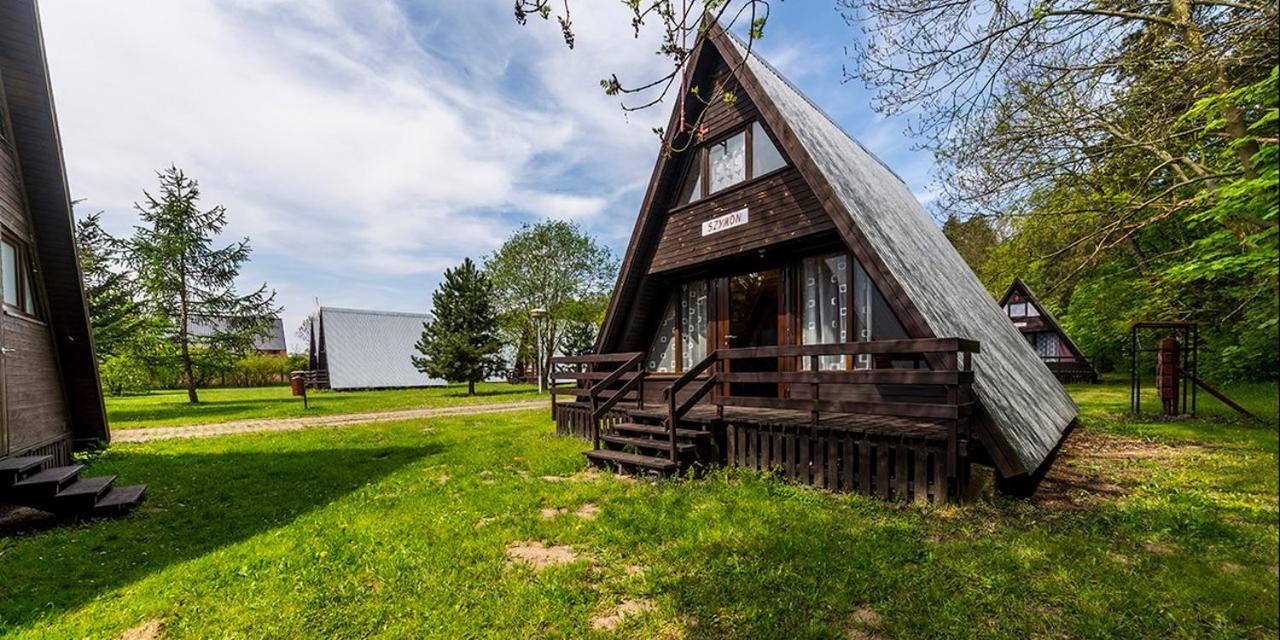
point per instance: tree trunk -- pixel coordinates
(471, 387)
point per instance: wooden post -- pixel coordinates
(671, 421)
(1167, 378)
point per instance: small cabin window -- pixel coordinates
(727, 160)
(1018, 310)
(15, 277)
(692, 189)
(764, 156)
(747, 154)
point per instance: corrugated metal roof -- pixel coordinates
(273, 340)
(372, 349)
(1021, 397)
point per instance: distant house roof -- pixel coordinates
(372, 349)
(273, 340)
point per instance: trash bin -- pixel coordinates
(298, 383)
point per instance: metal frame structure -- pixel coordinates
(1189, 332)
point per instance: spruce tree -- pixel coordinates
(185, 279)
(114, 314)
(460, 341)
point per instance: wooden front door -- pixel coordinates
(750, 313)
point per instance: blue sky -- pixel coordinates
(365, 146)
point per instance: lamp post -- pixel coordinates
(538, 314)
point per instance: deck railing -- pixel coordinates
(944, 364)
(596, 378)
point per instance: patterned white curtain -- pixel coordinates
(662, 353)
(826, 304)
(693, 323)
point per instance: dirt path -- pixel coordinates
(294, 424)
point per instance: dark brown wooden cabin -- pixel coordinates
(786, 303)
(1045, 335)
(50, 401)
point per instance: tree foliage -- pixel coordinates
(184, 278)
(460, 341)
(115, 317)
(1125, 153)
(555, 267)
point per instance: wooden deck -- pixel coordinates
(896, 433)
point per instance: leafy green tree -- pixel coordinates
(555, 267)
(184, 278)
(579, 339)
(460, 341)
(115, 317)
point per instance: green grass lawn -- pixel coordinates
(170, 408)
(401, 530)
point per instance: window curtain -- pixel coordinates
(826, 304)
(662, 353)
(693, 323)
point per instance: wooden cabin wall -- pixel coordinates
(34, 402)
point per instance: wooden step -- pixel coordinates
(606, 456)
(14, 469)
(47, 483)
(658, 430)
(663, 445)
(83, 493)
(119, 500)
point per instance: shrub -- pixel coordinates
(121, 374)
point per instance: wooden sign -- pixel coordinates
(726, 221)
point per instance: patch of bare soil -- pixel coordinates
(1090, 468)
(539, 555)
(587, 511)
(863, 624)
(548, 514)
(15, 520)
(149, 630)
(610, 621)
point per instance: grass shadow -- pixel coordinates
(198, 503)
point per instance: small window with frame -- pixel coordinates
(16, 281)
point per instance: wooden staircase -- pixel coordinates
(643, 445)
(27, 481)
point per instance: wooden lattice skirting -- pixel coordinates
(61, 450)
(575, 420)
(890, 468)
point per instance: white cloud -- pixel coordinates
(361, 147)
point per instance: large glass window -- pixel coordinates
(825, 316)
(764, 156)
(681, 340)
(693, 323)
(728, 162)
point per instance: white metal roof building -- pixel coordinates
(362, 349)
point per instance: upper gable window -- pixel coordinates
(728, 162)
(747, 154)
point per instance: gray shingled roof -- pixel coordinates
(273, 340)
(372, 349)
(1020, 396)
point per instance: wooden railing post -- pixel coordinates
(815, 366)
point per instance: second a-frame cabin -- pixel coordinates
(1046, 336)
(786, 303)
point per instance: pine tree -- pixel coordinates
(460, 342)
(185, 279)
(115, 317)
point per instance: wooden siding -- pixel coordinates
(26, 91)
(36, 408)
(12, 209)
(781, 209)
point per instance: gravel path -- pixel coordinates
(294, 424)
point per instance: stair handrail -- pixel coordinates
(598, 410)
(674, 412)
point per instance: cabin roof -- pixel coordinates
(272, 340)
(29, 96)
(1027, 407)
(372, 349)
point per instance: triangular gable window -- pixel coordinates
(764, 156)
(749, 153)
(692, 189)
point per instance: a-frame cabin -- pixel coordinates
(50, 401)
(787, 303)
(1046, 336)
